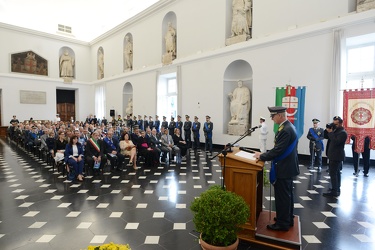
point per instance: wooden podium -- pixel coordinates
(245, 178)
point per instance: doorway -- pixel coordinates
(65, 104)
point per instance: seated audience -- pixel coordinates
(145, 149)
(112, 149)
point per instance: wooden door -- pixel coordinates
(66, 110)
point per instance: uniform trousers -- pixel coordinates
(284, 202)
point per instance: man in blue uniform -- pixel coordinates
(196, 127)
(284, 167)
(316, 137)
(207, 129)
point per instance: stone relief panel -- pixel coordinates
(29, 63)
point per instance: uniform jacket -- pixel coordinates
(316, 142)
(288, 167)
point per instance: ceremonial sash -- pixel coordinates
(208, 131)
(194, 128)
(110, 143)
(279, 158)
(95, 144)
(312, 132)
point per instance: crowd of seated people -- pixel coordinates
(94, 141)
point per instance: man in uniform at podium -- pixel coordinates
(284, 167)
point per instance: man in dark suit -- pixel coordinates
(284, 167)
(112, 151)
(95, 151)
(196, 127)
(336, 154)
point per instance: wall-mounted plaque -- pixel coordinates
(33, 97)
(30, 63)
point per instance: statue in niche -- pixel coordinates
(129, 107)
(128, 53)
(241, 20)
(66, 65)
(363, 5)
(101, 64)
(240, 104)
(170, 41)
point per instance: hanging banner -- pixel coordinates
(293, 98)
(359, 116)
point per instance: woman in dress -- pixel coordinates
(128, 148)
(74, 156)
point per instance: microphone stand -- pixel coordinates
(228, 148)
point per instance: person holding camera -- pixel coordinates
(336, 154)
(316, 137)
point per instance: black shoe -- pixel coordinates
(365, 175)
(291, 223)
(331, 194)
(276, 227)
(319, 169)
(310, 167)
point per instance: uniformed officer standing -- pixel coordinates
(316, 137)
(140, 122)
(179, 123)
(196, 127)
(145, 122)
(151, 123)
(187, 130)
(171, 126)
(284, 167)
(157, 124)
(164, 123)
(207, 129)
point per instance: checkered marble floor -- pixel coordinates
(149, 208)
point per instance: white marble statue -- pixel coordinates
(240, 104)
(101, 64)
(66, 65)
(241, 20)
(129, 107)
(170, 41)
(128, 53)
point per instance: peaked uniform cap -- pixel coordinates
(276, 110)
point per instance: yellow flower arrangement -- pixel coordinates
(110, 246)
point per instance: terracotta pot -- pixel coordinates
(206, 246)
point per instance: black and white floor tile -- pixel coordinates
(149, 208)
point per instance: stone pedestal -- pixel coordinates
(236, 39)
(237, 129)
(167, 58)
(67, 79)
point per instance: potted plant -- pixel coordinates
(218, 215)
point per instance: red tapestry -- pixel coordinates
(359, 116)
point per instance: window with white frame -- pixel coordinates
(167, 95)
(360, 62)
